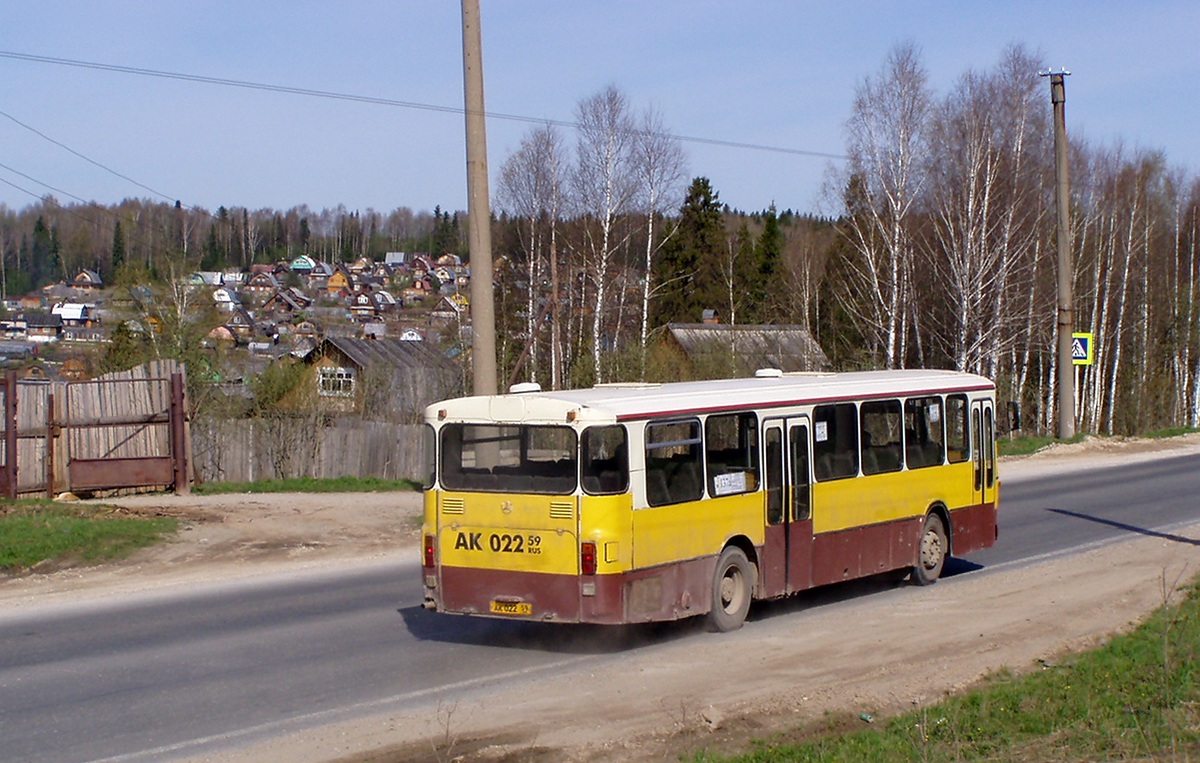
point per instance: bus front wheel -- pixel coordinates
(931, 555)
(733, 587)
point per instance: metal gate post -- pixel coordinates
(178, 426)
(10, 433)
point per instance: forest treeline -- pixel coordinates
(937, 248)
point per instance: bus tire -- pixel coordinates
(732, 590)
(931, 551)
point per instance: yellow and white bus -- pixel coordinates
(639, 502)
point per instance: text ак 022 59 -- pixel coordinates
(500, 543)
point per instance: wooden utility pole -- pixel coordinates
(1066, 270)
(479, 237)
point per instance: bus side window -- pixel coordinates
(958, 429)
(835, 441)
(924, 434)
(881, 437)
(731, 453)
(605, 460)
(673, 462)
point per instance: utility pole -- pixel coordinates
(479, 236)
(1066, 270)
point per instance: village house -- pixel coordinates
(382, 272)
(262, 284)
(240, 324)
(302, 265)
(713, 350)
(76, 314)
(420, 266)
(43, 328)
(384, 375)
(286, 302)
(87, 281)
(319, 275)
(226, 299)
(449, 309)
(384, 301)
(363, 307)
(340, 283)
(361, 265)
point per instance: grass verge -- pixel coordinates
(308, 485)
(1026, 446)
(36, 532)
(1138, 698)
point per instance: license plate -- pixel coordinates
(512, 608)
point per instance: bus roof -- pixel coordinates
(629, 401)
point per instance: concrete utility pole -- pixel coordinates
(1066, 270)
(479, 237)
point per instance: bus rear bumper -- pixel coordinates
(670, 592)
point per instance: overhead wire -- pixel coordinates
(247, 84)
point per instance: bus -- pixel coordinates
(629, 503)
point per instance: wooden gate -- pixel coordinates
(123, 430)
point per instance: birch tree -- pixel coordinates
(531, 189)
(661, 170)
(604, 182)
(887, 150)
(987, 207)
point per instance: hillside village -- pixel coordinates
(266, 313)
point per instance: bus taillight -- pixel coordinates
(587, 557)
(430, 550)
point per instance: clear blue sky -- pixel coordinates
(771, 73)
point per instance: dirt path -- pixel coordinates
(871, 654)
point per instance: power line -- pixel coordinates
(90, 205)
(39, 182)
(309, 92)
(67, 148)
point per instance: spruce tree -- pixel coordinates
(689, 274)
(769, 255)
(118, 253)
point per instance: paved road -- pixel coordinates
(155, 677)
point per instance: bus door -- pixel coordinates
(983, 428)
(786, 563)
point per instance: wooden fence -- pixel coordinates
(123, 430)
(247, 450)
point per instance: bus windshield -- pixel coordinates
(508, 459)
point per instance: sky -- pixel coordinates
(772, 74)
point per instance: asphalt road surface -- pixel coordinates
(154, 677)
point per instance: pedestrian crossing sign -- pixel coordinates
(1083, 349)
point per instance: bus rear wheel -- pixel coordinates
(932, 552)
(733, 588)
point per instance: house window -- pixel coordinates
(335, 382)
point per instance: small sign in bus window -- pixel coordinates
(728, 484)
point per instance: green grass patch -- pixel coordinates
(34, 532)
(1138, 698)
(309, 485)
(1025, 446)
(1174, 432)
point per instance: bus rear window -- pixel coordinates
(508, 459)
